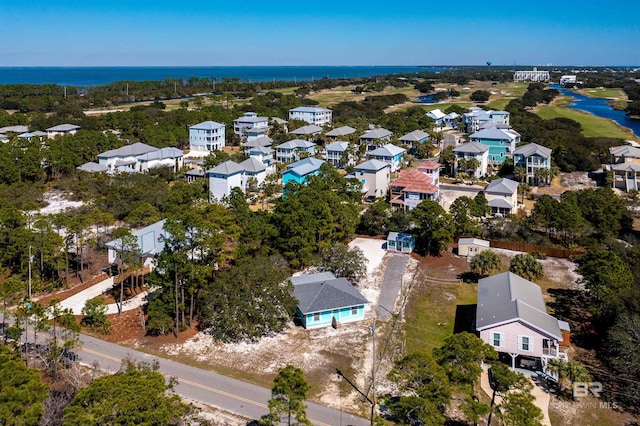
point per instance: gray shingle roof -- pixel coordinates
(372, 165)
(309, 109)
(304, 166)
(207, 125)
(92, 167)
(133, 150)
(161, 154)
(322, 292)
(506, 297)
(63, 128)
(502, 186)
(341, 131)
(472, 147)
(533, 149)
(307, 130)
(626, 166)
(500, 203)
(259, 141)
(14, 129)
(377, 133)
(415, 136)
(296, 144)
(625, 151)
(253, 165)
(337, 146)
(493, 133)
(227, 168)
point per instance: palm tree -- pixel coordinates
(542, 175)
(571, 372)
(524, 189)
(472, 165)
(520, 173)
(462, 165)
(526, 266)
(485, 262)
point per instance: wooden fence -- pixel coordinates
(528, 248)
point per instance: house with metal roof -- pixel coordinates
(625, 166)
(207, 136)
(149, 243)
(62, 129)
(292, 150)
(471, 246)
(163, 157)
(512, 317)
(324, 300)
(312, 115)
(261, 153)
(501, 142)
(92, 167)
(223, 178)
(375, 137)
(402, 243)
(476, 117)
(126, 156)
(415, 186)
(374, 175)
(255, 172)
(300, 171)
(250, 121)
(413, 138)
(532, 157)
(14, 129)
(340, 132)
(469, 151)
(308, 131)
(337, 153)
(30, 135)
(502, 196)
(390, 154)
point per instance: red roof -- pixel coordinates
(415, 181)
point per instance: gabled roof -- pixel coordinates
(415, 136)
(341, 131)
(388, 150)
(133, 150)
(502, 186)
(92, 167)
(295, 144)
(533, 149)
(323, 292)
(207, 125)
(305, 166)
(227, 168)
(252, 165)
(150, 239)
(372, 165)
(161, 154)
(472, 148)
(309, 109)
(14, 129)
(377, 133)
(494, 133)
(337, 146)
(626, 166)
(309, 129)
(261, 150)
(250, 119)
(279, 120)
(625, 151)
(259, 141)
(506, 297)
(63, 128)
(415, 180)
(500, 203)
(436, 114)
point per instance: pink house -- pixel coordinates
(512, 317)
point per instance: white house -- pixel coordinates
(164, 157)
(502, 196)
(249, 120)
(471, 150)
(337, 153)
(62, 129)
(207, 136)
(290, 151)
(374, 176)
(126, 156)
(223, 178)
(149, 241)
(512, 317)
(375, 137)
(255, 172)
(476, 117)
(390, 154)
(312, 115)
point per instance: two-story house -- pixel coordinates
(501, 142)
(512, 317)
(62, 129)
(228, 175)
(532, 157)
(207, 136)
(300, 171)
(476, 117)
(415, 186)
(312, 115)
(390, 154)
(294, 150)
(467, 152)
(502, 196)
(337, 153)
(414, 138)
(250, 121)
(375, 137)
(625, 166)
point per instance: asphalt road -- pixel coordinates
(391, 284)
(232, 395)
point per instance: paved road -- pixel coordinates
(232, 395)
(391, 285)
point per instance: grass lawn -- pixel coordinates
(498, 104)
(605, 93)
(592, 126)
(284, 90)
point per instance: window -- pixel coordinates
(525, 343)
(496, 339)
(316, 317)
(354, 310)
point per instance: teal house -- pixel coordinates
(403, 243)
(300, 171)
(324, 300)
(501, 142)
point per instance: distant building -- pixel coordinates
(569, 80)
(533, 75)
(62, 129)
(125, 158)
(207, 136)
(501, 142)
(477, 117)
(312, 115)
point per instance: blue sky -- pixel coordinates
(328, 32)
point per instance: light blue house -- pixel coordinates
(501, 142)
(300, 171)
(414, 138)
(324, 300)
(337, 154)
(532, 157)
(390, 154)
(291, 151)
(403, 243)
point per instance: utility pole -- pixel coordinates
(30, 261)
(373, 372)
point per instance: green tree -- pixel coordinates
(480, 96)
(288, 396)
(127, 249)
(502, 380)
(568, 372)
(462, 210)
(95, 315)
(520, 173)
(526, 266)
(485, 262)
(136, 395)
(21, 392)
(518, 409)
(343, 261)
(524, 189)
(434, 226)
(448, 157)
(604, 273)
(425, 390)
(375, 219)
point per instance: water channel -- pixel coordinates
(600, 108)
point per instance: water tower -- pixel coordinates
(489, 66)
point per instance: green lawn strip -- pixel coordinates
(592, 126)
(604, 93)
(498, 104)
(431, 312)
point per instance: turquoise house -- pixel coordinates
(300, 171)
(324, 300)
(501, 142)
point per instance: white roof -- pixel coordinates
(309, 109)
(388, 150)
(63, 128)
(436, 114)
(207, 125)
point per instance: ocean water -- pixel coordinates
(96, 76)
